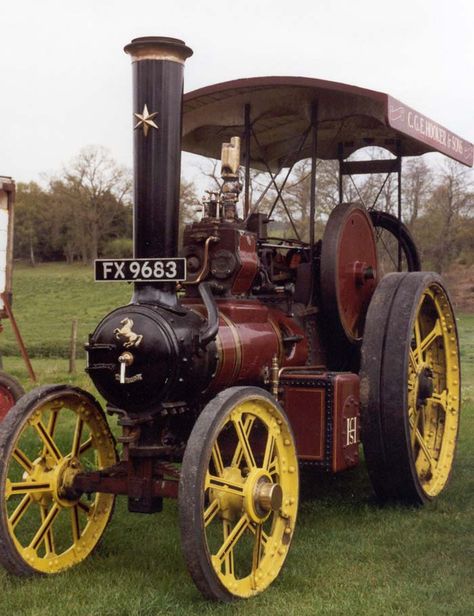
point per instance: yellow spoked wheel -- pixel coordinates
(238, 495)
(410, 387)
(52, 434)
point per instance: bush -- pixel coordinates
(120, 248)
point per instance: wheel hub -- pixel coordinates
(261, 495)
(425, 385)
(230, 505)
(267, 496)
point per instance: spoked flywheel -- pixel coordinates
(393, 237)
(50, 435)
(410, 387)
(238, 495)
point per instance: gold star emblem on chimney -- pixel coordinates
(145, 120)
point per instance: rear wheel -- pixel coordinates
(238, 495)
(49, 436)
(410, 387)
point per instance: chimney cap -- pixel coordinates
(158, 48)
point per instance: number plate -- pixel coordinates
(140, 270)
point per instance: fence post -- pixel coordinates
(72, 348)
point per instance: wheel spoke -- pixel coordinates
(237, 457)
(413, 361)
(244, 443)
(424, 448)
(75, 525)
(76, 441)
(48, 538)
(224, 485)
(423, 344)
(273, 466)
(53, 419)
(86, 445)
(26, 487)
(269, 449)
(232, 539)
(414, 417)
(84, 506)
(388, 251)
(264, 537)
(217, 459)
(257, 547)
(48, 441)
(44, 528)
(22, 459)
(431, 337)
(229, 557)
(210, 512)
(417, 335)
(440, 398)
(20, 510)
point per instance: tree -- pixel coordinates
(93, 191)
(447, 214)
(31, 224)
(416, 187)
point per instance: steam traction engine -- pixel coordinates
(246, 355)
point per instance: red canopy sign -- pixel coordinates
(414, 124)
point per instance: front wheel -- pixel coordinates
(238, 495)
(52, 434)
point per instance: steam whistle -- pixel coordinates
(231, 187)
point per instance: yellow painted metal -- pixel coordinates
(51, 527)
(247, 540)
(433, 390)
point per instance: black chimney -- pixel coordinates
(158, 66)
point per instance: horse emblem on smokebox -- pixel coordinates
(132, 339)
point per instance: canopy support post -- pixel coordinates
(247, 160)
(340, 157)
(399, 190)
(314, 154)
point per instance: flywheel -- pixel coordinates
(348, 272)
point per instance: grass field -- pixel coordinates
(349, 555)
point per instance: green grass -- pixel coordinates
(349, 555)
(47, 298)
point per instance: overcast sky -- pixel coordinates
(65, 82)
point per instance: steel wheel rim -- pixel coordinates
(433, 414)
(269, 531)
(50, 528)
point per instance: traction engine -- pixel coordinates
(234, 363)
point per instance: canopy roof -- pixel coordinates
(281, 112)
